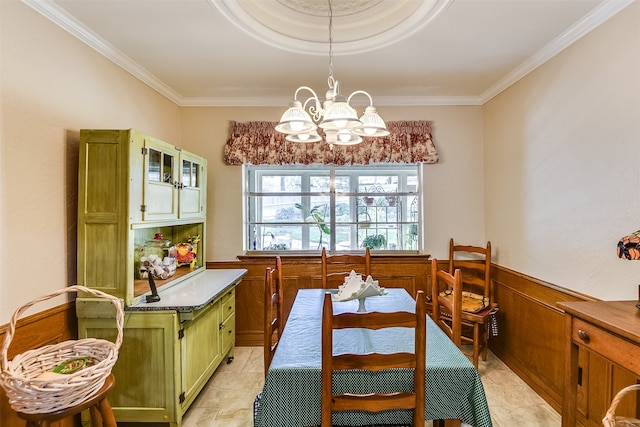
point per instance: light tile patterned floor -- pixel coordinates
(227, 400)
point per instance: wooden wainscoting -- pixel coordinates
(51, 326)
(531, 330)
(302, 272)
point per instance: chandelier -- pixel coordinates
(335, 116)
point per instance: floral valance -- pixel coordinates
(258, 143)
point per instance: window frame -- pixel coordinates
(251, 220)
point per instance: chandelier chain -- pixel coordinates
(331, 80)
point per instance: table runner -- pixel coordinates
(291, 396)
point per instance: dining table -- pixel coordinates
(292, 393)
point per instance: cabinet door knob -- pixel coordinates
(583, 335)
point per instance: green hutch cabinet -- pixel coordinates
(137, 194)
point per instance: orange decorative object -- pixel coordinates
(184, 253)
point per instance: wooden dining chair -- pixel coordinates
(478, 310)
(447, 308)
(336, 267)
(374, 402)
(273, 312)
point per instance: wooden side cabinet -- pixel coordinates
(602, 357)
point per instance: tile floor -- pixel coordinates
(227, 400)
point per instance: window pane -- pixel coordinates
(155, 157)
(319, 183)
(186, 173)
(277, 209)
(280, 184)
(167, 168)
(195, 175)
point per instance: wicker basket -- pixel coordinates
(19, 377)
(611, 420)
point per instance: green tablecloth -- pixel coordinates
(291, 396)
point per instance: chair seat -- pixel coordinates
(471, 302)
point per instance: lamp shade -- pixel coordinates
(340, 115)
(304, 137)
(295, 120)
(342, 137)
(372, 124)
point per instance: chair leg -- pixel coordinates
(108, 419)
(96, 416)
(485, 342)
(476, 344)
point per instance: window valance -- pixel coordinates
(258, 143)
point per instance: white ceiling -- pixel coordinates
(215, 53)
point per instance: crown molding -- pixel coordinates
(399, 101)
(68, 23)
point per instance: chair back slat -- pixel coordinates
(374, 402)
(475, 264)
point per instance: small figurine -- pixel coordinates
(186, 253)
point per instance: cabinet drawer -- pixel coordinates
(612, 347)
(227, 305)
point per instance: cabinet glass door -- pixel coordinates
(160, 181)
(191, 194)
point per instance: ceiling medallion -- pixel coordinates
(300, 25)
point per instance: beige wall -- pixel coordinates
(562, 156)
(457, 179)
(53, 85)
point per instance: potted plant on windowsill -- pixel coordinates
(374, 241)
(316, 215)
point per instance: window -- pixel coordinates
(342, 208)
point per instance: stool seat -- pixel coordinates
(98, 405)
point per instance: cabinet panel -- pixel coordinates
(200, 349)
(145, 376)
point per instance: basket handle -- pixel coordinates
(609, 419)
(74, 288)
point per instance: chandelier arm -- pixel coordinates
(313, 93)
(362, 92)
(315, 110)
